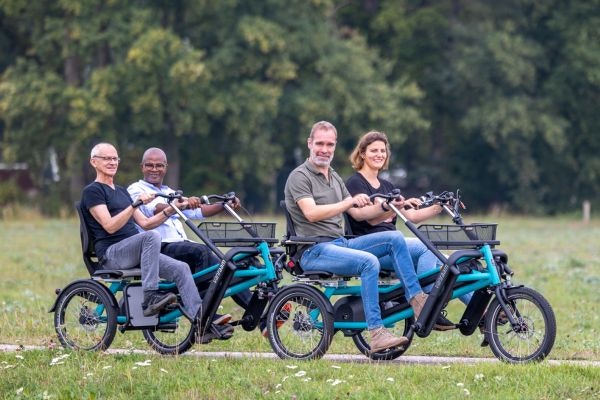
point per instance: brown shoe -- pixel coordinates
(382, 339)
(417, 304)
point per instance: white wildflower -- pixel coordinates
(336, 367)
(20, 391)
(144, 363)
(460, 384)
(20, 357)
(478, 377)
(164, 370)
(58, 360)
(390, 379)
(291, 366)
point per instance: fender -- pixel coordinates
(94, 282)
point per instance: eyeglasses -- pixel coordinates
(107, 159)
(152, 166)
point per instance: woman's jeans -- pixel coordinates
(361, 256)
(423, 260)
(143, 249)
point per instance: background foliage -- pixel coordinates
(497, 98)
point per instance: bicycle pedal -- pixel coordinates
(219, 332)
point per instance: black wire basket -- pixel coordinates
(239, 234)
(470, 236)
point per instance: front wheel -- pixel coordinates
(362, 340)
(172, 338)
(85, 318)
(532, 337)
(300, 323)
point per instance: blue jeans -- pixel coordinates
(360, 257)
(423, 260)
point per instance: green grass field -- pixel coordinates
(559, 257)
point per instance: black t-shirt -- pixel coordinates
(358, 184)
(116, 200)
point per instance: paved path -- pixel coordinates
(353, 358)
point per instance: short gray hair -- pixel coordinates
(325, 125)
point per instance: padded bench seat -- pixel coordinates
(118, 273)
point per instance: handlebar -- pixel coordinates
(178, 194)
(396, 194)
(224, 198)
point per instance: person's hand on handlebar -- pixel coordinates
(146, 197)
(235, 203)
(193, 202)
(360, 200)
(413, 203)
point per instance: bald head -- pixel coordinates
(154, 166)
(154, 152)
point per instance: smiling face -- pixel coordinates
(375, 155)
(154, 166)
(322, 147)
(105, 159)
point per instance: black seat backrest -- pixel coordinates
(289, 226)
(87, 244)
(347, 227)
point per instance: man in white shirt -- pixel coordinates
(175, 242)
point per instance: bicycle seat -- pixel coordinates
(90, 258)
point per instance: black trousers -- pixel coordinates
(199, 257)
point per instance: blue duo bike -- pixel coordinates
(88, 312)
(518, 322)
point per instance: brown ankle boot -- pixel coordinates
(417, 303)
(382, 339)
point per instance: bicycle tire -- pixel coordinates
(307, 332)
(533, 336)
(85, 318)
(171, 339)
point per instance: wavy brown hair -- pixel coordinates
(356, 158)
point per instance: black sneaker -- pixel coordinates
(154, 302)
(442, 323)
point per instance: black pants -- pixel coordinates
(199, 257)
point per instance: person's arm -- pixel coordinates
(112, 224)
(315, 213)
(135, 190)
(373, 213)
(416, 215)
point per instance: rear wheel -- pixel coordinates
(172, 338)
(362, 341)
(300, 323)
(532, 337)
(85, 317)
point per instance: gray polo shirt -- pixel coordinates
(306, 181)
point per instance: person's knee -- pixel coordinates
(152, 238)
(398, 239)
(369, 265)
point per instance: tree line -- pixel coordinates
(496, 98)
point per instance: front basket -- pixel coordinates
(236, 234)
(446, 237)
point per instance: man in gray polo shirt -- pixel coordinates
(316, 198)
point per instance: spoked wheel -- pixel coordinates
(532, 337)
(85, 317)
(363, 338)
(300, 323)
(172, 338)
